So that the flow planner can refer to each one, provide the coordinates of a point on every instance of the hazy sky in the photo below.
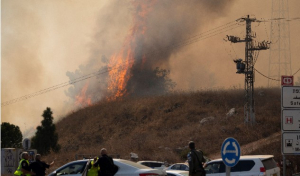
(46, 42)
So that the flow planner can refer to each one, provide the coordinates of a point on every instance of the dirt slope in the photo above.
(159, 128)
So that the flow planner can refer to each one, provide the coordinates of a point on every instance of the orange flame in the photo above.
(82, 99)
(122, 62)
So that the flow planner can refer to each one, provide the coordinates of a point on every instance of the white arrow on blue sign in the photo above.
(230, 152)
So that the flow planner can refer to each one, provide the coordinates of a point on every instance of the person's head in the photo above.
(37, 157)
(192, 145)
(25, 155)
(103, 151)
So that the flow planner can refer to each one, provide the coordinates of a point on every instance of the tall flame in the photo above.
(82, 99)
(121, 63)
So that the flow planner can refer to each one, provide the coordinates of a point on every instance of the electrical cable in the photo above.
(191, 40)
(43, 91)
(272, 78)
(265, 75)
(296, 72)
(275, 19)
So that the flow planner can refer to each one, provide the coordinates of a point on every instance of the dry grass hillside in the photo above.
(159, 128)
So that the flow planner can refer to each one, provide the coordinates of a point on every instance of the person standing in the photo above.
(24, 168)
(106, 164)
(93, 171)
(39, 167)
(195, 160)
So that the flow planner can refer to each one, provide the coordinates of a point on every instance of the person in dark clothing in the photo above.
(39, 167)
(24, 168)
(106, 164)
(195, 160)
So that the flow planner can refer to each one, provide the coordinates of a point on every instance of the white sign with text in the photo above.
(290, 97)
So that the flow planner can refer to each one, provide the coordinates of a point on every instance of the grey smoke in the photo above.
(168, 23)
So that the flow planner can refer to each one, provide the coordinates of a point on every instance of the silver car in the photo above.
(125, 168)
(179, 166)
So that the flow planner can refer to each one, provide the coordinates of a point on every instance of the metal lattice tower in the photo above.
(247, 66)
(249, 74)
(280, 54)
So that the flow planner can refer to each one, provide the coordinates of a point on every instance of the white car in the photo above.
(125, 168)
(248, 165)
(177, 173)
(179, 166)
(153, 164)
(74, 168)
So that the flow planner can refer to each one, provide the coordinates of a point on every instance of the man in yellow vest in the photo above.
(93, 171)
(23, 168)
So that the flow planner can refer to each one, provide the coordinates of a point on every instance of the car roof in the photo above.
(176, 171)
(244, 157)
(76, 161)
(179, 172)
(178, 164)
(150, 161)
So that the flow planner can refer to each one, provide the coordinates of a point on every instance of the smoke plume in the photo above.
(156, 30)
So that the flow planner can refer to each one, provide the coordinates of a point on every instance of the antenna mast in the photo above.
(280, 53)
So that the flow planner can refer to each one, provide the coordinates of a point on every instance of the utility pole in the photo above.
(247, 67)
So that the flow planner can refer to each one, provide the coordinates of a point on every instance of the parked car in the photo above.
(153, 164)
(259, 165)
(74, 168)
(125, 168)
(178, 166)
(177, 173)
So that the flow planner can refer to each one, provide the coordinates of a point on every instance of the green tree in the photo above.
(11, 136)
(45, 137)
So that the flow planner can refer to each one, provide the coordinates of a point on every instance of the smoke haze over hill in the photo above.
(156, 30)
(45, 43)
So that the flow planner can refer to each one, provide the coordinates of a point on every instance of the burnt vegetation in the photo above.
(159, 128)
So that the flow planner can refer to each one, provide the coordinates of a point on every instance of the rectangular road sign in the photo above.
(290, 97)
(287, 80)
(290, 143)
(290, 120)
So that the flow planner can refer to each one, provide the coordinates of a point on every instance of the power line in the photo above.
(276, 19)
(266, 76)
(210, 33)
(196, 38)
(296, 72)
(272, 78)
(59, 86)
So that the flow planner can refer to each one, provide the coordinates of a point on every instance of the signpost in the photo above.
(26, 143)
(287, 80)
(231, 153)
(290, 97)
(290, 118)
(291, 143)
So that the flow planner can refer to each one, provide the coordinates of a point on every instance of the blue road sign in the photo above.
(230, 152)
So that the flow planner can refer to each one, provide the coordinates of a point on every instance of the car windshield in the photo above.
(72, 168)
